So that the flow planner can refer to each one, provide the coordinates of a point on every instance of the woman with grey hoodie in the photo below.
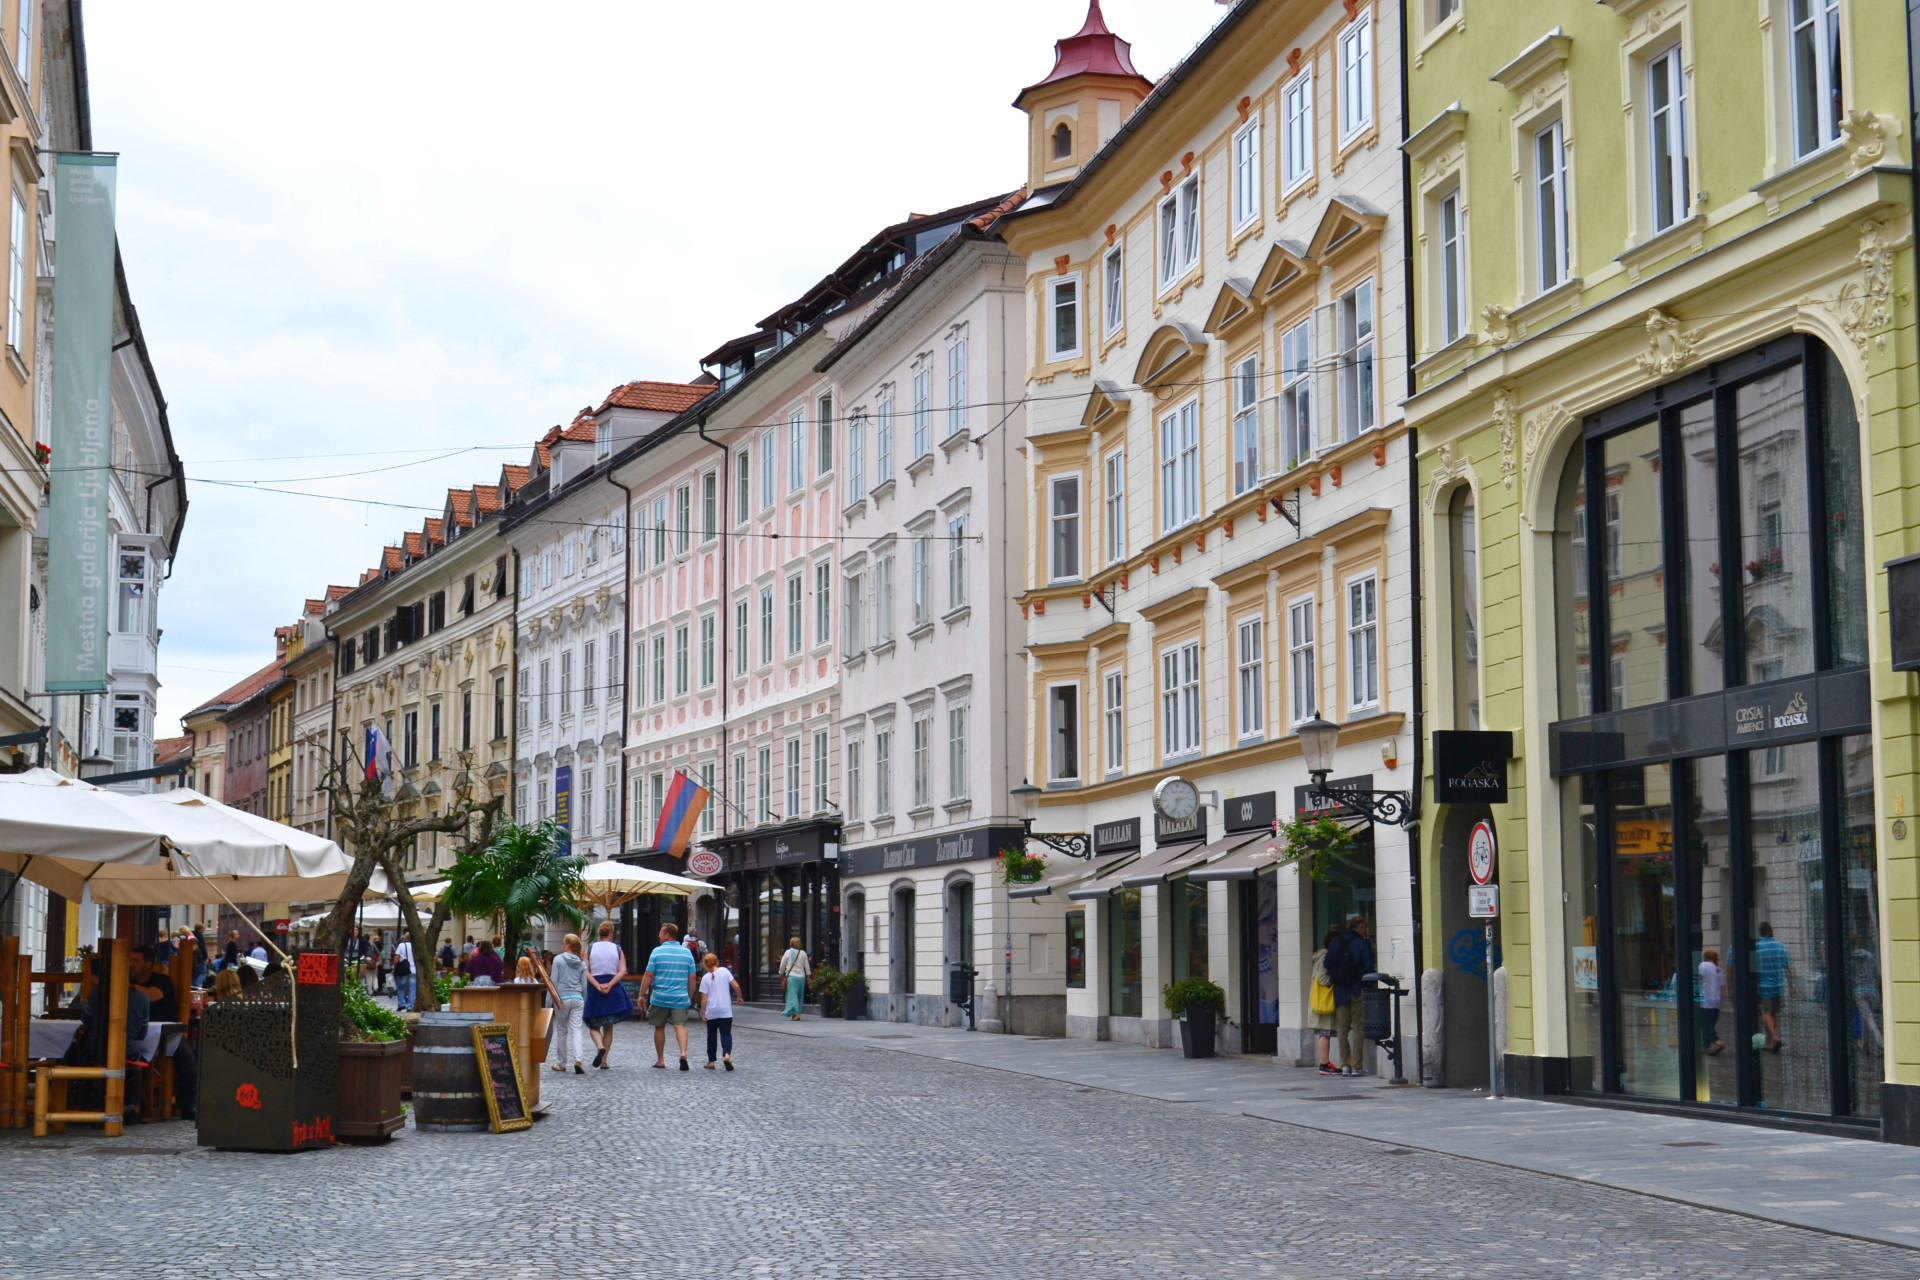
(568, 1032)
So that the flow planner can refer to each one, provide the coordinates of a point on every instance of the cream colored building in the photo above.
(1218, 478)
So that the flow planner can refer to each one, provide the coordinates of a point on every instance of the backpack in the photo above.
(1342, 966)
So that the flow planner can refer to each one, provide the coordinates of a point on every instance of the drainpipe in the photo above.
(724, 614)
(1416, 851)
(626, 645)
(333, 722)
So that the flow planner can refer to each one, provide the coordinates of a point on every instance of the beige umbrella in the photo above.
(609, 884)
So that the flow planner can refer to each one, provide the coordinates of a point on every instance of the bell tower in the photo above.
(1090, 92)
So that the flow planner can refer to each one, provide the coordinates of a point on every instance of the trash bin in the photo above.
(1376, 1013)
(960, 985)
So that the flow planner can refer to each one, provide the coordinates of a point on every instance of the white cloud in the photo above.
(364, 227)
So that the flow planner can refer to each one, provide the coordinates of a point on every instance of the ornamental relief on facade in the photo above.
(1447, 469)
(1670, 348)
(1867, 134)
(1506, 417)
(1864, 306)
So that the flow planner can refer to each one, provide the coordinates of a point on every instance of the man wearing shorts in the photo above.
(666, 988)
(1773, 966)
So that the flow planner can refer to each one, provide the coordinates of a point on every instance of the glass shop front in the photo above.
(779, 884)
(1714, 758)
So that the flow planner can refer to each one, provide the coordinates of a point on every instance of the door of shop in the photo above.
(1258, 902)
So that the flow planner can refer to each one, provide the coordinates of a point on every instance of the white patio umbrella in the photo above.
(608, 884)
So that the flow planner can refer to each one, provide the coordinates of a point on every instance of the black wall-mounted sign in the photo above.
(1903, 611)
(930, 851)
(1470, 766)
(1117, 836)
(1304, 806)
(1249, 813)
(1180, 830)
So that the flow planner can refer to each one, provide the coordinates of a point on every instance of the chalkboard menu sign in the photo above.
(500, 1080)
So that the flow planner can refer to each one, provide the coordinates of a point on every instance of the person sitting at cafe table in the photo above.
(164, 1006)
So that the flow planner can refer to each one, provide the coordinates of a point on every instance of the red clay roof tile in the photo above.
(661, 397)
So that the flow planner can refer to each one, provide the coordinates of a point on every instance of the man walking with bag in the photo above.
(1349, 959)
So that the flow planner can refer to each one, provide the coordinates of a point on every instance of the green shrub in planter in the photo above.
(1190, 993)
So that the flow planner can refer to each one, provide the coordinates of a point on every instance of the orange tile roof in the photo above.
(998, 211)
(245, 689)
(661, 397)
(334, 593)
(488, 498)
(581, 429)
(167, 750)
(416, 545)
(391, 559)
(516, 476)
(461, 500)
(436, 532)
(313, 608)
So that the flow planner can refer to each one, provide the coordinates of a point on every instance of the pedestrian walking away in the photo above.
(666, 989)
(795, 969)
(718, 991)
(1712, 986)
(567, 984)
(1348, 960)
(405, 982)
(1322, 1006)
(1773, 966)
(608, 1003)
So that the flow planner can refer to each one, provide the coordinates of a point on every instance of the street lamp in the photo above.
(1026, 805)
(1318, 738)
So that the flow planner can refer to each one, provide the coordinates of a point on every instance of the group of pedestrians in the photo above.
(590, 999)
(1340, 969)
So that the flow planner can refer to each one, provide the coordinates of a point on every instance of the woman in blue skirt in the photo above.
(607, 1000)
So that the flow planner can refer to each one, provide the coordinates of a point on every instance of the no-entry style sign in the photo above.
(1480, 852)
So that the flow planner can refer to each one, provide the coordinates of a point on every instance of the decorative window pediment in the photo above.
(1286, 266)
(1538, 60)
(1167, 353)
(1103, 402)
(1348, 220)
(1233, 307)
(1437, 134)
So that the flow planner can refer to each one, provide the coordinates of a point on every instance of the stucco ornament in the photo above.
(1499, 327)
(1669, 347)
(500, 638)
(1866, 305)
(600, 598)
(1868, 134)
(577, 610)
(466, 656)
(1507, 418)
(1446, 470)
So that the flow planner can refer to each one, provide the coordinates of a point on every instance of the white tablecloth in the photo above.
(50, 1037)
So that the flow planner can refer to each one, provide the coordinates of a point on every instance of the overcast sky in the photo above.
(363, 228)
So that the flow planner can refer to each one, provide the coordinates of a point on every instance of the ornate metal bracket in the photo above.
(1388, 808)
(1108, 596)
(1073, 844)
(1289, 509)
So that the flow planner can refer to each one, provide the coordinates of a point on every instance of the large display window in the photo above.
(1714, 752)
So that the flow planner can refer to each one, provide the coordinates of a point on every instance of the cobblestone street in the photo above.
(826, 1157)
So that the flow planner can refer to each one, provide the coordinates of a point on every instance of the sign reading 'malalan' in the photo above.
(970, 845)
(79, 543)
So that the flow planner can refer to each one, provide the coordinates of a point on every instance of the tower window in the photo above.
(1062, 142)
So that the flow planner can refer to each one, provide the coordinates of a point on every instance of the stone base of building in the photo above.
(925, 1011)
(1081, 1027)
(1900, 1114)
(1154, 1033)
(1526, 1076)
(1028, 1016)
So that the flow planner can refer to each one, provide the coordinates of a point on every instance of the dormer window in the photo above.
(1062, 141)
(602, 439)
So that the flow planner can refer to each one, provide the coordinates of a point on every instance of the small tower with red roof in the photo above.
(1081, 103)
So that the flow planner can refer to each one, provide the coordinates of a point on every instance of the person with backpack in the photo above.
(1348, 960)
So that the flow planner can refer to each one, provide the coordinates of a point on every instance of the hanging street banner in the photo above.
(79, 543)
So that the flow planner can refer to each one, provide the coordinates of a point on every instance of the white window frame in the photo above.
(1113, 714)
(766, 626)
(823, 429)
(709, 506)
(1244, 382)
(822, 602)
(957, 788)
(1177, 232)
(957, 595)
(922, 412)
(1452, 287)
(1356, 77)
(1552, 254)
(682, 659)
(742, 635)
(1064, 527)
(793, 779)
(1363, 642)
(1667, 133)
(17, 266)
(1357, 321)
(883, 440)
(1180, 466)
(819, 771)
(1303, 667)
(1296, 131)
(796, 613)
(1818, 31)
(1114, 285)
(957, 386)
(853, 637)
(1115, 520)
(1180, 701)
(883, 772)
(883, 599)
(856, 455)
(1250, 654)
(855, 779)
(709, 649)
(743, 485)
(922, 578)
(1246, 175)
(769, 468)
(1297, 431)
(1055, 727)
(922, 745)
(1052, 317)
(683, 519)
(659, 667)
(797, 450)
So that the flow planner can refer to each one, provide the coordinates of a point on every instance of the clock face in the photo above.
(1176, 799)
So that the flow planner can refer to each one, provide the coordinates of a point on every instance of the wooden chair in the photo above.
(111, 1117)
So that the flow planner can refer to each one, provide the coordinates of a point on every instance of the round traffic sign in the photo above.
(1480, 852)
(705, 863)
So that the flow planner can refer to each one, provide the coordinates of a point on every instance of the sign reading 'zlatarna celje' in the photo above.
(79, 545)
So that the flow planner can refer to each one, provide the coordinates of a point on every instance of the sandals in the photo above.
(709, 1066)
(729, 1062)
(577, 1070)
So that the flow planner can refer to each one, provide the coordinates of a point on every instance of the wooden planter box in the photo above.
(368, 1108)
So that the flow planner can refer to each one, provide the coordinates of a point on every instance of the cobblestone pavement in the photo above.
(823, 1158)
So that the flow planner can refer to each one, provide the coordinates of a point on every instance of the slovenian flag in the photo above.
(379, 758)
(685, 801)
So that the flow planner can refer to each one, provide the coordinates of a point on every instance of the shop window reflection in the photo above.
(1644, 954)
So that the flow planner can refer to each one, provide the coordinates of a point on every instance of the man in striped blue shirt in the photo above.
(666, 988)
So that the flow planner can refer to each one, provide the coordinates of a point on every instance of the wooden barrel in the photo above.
(446, 1075)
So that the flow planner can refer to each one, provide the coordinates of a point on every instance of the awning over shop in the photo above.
(1163, 864)
(1068, 872)
(1244, 863)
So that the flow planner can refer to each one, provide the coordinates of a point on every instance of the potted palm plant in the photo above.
(525, 872)
(1199, 1004)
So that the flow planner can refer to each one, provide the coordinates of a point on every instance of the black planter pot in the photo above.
(853, 1004)
(1196, 1032)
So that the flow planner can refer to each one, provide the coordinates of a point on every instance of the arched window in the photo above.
(1062, 141)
